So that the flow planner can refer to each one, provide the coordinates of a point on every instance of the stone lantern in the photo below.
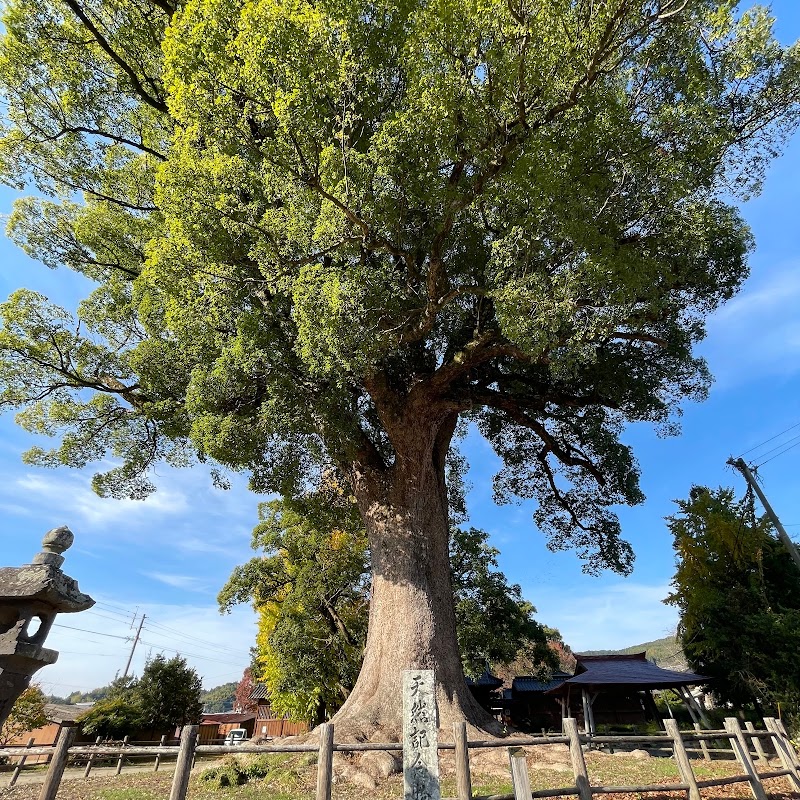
(30, 598)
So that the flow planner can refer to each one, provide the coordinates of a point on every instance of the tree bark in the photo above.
(412, 616)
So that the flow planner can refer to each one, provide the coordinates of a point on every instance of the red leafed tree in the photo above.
(241, 700)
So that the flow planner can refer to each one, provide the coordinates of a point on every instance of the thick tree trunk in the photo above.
(412, 617)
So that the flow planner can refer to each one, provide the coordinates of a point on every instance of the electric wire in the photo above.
(771, 438)
(779, 446)
(104, 616)
(115, 608)
(185, 636)
(191, 641)
(167, 629)
(95, 633)
(184, 652)
(791, 447)
(86, 653)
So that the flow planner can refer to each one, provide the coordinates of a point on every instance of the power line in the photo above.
(186, 636)
(185, 653)
(791, 447)
(96, 633)
(104, 616)
(85, 653)
(114, 608)
(217, 651)
(771, 438)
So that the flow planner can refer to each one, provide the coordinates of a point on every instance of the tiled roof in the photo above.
(57, 712)
(526, 683)
(259, 692)
(625, 670)
(486, 679)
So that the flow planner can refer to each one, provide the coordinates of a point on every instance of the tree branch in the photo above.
(154, 102)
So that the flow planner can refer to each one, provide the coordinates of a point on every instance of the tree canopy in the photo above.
(165, 696)
(296, 213)
(739, 600)
(219, 699)
(327, 233)
(27, 714)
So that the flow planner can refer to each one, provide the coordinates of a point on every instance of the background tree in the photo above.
(27, 714)
(494, 623)
(219, 699)
(242, 702)
(168, 693)
(311, 589)
(112, 717)
(323, 233)
(166, 696)
(739, 601)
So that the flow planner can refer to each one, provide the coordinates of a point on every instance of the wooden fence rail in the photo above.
(741, 741)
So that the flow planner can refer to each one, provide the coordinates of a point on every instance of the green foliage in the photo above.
(27, 714)
(165, 696)
(493, 621)
(219, 699)
(311, 588)
(112, 718)
(738, 594)
(169, 693)
(229, 773)
(238, 770)
(92, 696)
(308, 221)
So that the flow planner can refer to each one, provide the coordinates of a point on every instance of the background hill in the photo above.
(666, 652)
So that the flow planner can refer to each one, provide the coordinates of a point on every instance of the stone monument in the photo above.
(30, 598)
(420, 736)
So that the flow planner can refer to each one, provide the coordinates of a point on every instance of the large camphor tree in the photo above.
(326, 234)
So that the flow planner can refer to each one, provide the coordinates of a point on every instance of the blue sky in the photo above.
(167, 557)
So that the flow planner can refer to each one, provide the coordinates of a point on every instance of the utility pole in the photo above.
(784, 537)
(135, 642)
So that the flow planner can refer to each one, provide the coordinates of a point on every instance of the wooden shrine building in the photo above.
(617, 690)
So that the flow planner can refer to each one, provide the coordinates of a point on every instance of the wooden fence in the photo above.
(746, 745)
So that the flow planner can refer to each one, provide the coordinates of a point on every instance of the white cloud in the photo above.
(616, 616)
(74, 493)
(186, 582)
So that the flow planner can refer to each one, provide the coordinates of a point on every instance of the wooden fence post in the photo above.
(703, 743)
(20, 763)
(759, 748)
(92, 756)
(782, 728)
(463, 778)
(743, 756)
(783, 747)
(325, 761)
(122, 755)
(520, 781)
(158, 755)
(682, 758)
(56, 770)
(183, 767)
(576, 756)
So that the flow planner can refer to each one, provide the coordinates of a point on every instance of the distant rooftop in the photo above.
(626, 670)
(259, 692)
(528, 683)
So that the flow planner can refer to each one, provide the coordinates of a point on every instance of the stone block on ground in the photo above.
(380, 764)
